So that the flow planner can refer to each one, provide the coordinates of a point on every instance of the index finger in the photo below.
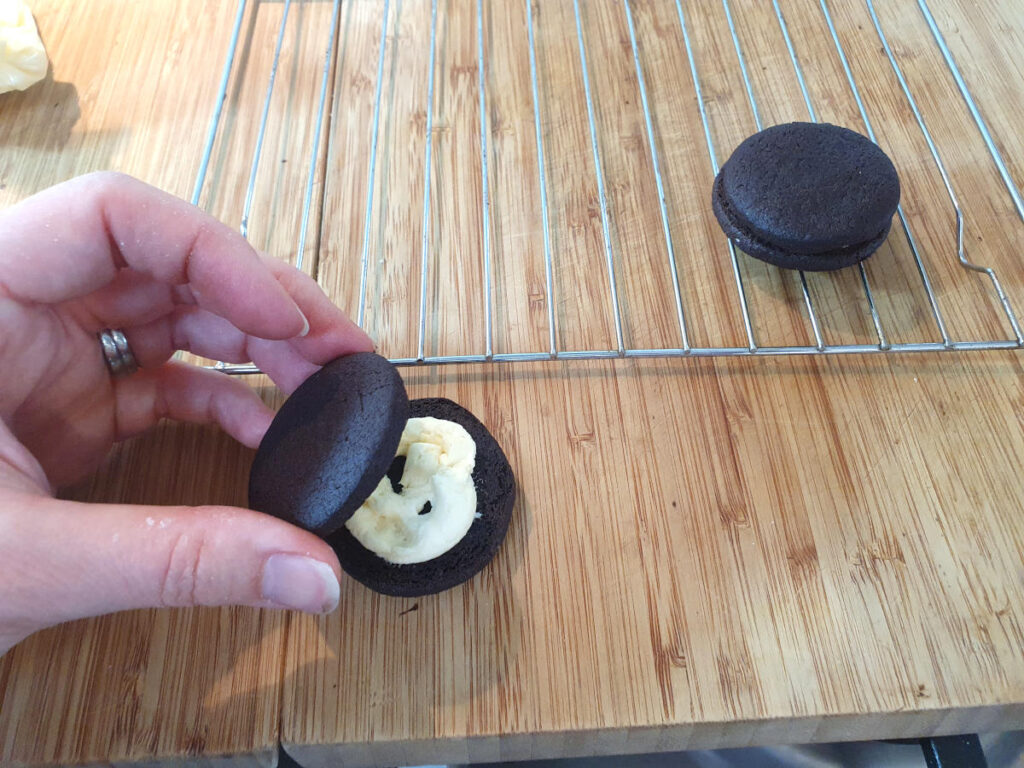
(72, 239)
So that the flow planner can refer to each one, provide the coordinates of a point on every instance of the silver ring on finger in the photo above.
(117, 353)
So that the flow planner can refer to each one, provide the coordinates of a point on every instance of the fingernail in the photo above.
(305, 322)
(300, 583)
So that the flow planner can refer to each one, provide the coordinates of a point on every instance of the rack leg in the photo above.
(954, 752)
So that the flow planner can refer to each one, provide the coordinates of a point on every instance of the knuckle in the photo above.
(180, 582)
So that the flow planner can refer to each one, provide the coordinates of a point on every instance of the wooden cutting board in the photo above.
(705, 552)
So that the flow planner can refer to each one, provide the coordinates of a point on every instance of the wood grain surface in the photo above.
(705, 552)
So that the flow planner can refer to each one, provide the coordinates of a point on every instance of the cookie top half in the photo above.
(331, 443)
(808, 188)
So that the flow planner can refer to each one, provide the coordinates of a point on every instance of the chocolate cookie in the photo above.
(808, 196)
(331, 443)
(495, 494)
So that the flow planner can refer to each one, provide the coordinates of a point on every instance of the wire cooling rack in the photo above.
(942, 339)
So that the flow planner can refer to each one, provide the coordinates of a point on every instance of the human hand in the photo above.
(107, 251)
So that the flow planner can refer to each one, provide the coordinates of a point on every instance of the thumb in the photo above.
(66, 560)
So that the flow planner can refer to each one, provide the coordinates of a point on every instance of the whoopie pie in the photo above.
(810, 196)
(414, 497)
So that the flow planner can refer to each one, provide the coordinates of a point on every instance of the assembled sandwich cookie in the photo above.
(808, 196)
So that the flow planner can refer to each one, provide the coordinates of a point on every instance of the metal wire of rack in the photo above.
(621, 349)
